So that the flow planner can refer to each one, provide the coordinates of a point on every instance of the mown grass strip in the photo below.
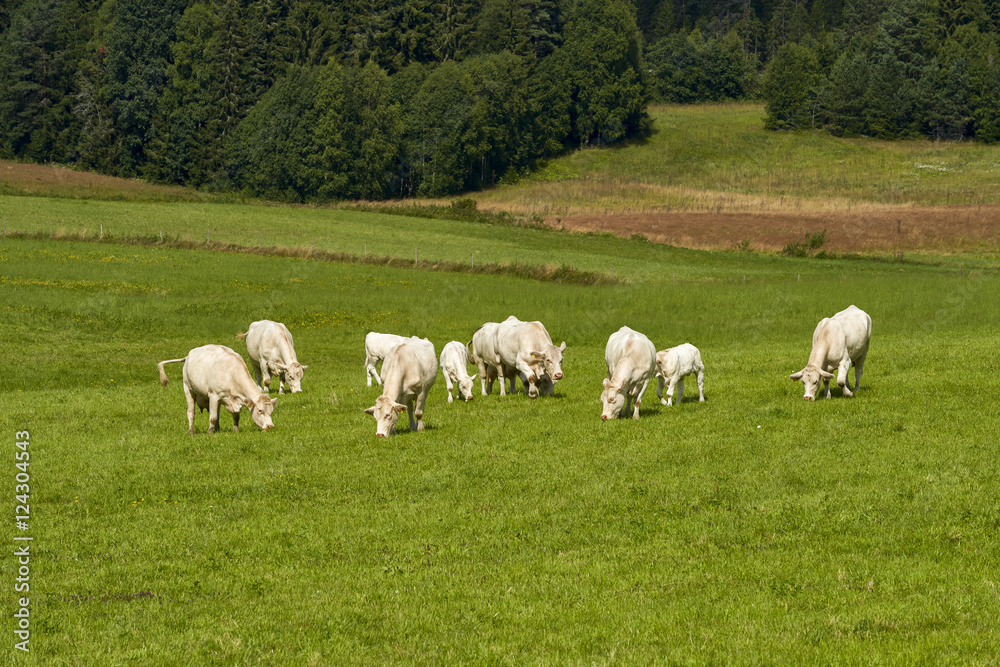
(552, 273)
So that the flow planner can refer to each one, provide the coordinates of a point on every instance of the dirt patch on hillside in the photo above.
(945, 229)
(52, 180)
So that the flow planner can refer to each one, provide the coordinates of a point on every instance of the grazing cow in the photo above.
(526, 349)
(408, 374)
(483, 350)
(377, 348)
(272, 352)
(215, 375)
(672, 366)
(631, 361)
(838, 342)
(454, 366)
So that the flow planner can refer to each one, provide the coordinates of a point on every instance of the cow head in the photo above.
(548, 362)
(465, 387)
(292, 374)
(260, 411)
(386, 412)
(811, 376)
(612, 400)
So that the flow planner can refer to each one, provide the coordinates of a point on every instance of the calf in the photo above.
(631, 361)
(408, 374)
(454, 366)
(838, 342)
(272, 352)
(672, 366)
(525, 348)
(215, 375)
(377, 348)
(483, 350)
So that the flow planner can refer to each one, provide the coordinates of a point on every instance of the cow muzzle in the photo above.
(558, 376)
(380, 435)
(808, 398)
(604, 417)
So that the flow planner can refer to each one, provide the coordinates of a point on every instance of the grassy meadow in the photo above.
(720, 158)
(754, 528)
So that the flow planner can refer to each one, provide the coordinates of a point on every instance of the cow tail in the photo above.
(242, 336)
(163, 375)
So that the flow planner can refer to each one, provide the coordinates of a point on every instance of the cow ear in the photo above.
(795, 377)
(537, 356)
(370, 411)
(563, 346)
(474, 376)
(399, 407)
(606, 383)
(826, 376)
(274, 403)
(248, 403)
(303, 367)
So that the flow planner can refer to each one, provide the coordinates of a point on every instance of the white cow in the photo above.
(483, 350)
(526, 349)
(454, 366)
(838, 342)
(215, 375)
(631, 361)
(672, 366)
(408, 374)
(377, 348)
(272, 352)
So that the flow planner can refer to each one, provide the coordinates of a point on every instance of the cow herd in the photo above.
(215, 376)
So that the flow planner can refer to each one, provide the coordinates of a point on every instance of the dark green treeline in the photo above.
(303, 100)
(314, 99)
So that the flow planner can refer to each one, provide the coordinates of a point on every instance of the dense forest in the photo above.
(313, 99)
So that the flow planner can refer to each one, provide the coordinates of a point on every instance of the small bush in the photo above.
(808, 248)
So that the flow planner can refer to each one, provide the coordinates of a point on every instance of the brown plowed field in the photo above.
(881, 230)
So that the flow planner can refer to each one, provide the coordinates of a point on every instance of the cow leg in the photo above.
(671, 385)
(842, 377)
(190, 409)
(659, 389)
(370, 362)
(826, 385)
(281, 383)
(265, 386)
(449, 384)
(680, 390)
(701, 385)
(257, 374)
(481, 367)
(501, 378)
(421, 401)
(638, 399)
(522, 368)
(213, 413)
(858, 369)
(532, 389)
(236, 420)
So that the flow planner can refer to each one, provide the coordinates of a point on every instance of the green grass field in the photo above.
(719, 157)
(754, 528)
